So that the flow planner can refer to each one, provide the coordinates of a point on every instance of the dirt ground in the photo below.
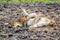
(12, 11)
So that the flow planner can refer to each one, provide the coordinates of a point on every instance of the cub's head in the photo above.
(24, 19)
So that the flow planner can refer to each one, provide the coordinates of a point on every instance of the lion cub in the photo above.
(19, 22)
(43, 21)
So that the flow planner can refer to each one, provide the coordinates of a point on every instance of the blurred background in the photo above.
(30, 1)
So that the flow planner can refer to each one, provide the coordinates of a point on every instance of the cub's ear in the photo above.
(26, 16)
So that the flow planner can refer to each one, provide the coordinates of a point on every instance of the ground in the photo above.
(12, 11)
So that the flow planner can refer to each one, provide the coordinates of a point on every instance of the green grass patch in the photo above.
(2, 36)
(30, 1)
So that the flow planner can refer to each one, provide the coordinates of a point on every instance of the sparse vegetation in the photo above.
(2, 36)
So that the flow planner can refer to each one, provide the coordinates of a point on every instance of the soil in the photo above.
(12, 11)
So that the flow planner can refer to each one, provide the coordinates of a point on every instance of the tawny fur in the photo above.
(46, 21)
(19, 22)
(40, 22)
